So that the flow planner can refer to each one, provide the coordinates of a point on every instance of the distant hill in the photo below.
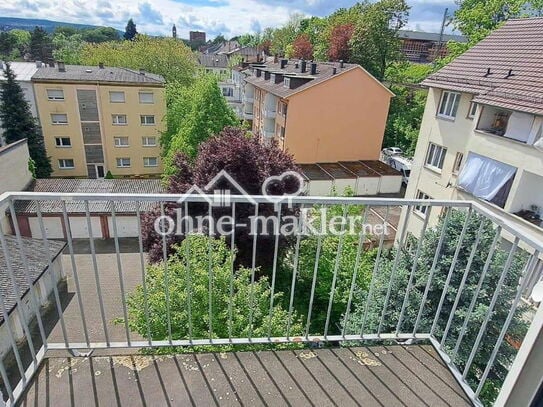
(10, 23)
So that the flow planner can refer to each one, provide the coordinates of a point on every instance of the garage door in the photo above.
(127, 226)
(78, 224)
(52, 225)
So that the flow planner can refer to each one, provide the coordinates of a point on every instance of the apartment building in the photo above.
(97, 119)
(319, 112)
(481, 134)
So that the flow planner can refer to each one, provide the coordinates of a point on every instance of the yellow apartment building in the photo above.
(319, 112)
(97, 119)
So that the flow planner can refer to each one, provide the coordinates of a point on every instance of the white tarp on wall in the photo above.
(484, 177)
(519, 126)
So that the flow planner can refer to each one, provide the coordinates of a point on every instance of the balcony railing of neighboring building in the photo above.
(270, 113)
(456, 287)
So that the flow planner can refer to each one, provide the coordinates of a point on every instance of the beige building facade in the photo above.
(97, 120)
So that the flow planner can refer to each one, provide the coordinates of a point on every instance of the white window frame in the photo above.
(435, 157)
(145, 141)
(286, 82)
(421, 210)
(458, 161)
(55, 98)
(230, 91)
(57, 122)
(120, 162)
(144, 122)
(62, 164)
(143, 102)
(146, 161)
(117, 140)
(472, 110)
(59, 142)
(449, 104)
(115, 119)
(117, 92)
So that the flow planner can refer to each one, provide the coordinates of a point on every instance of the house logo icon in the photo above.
(221, 197)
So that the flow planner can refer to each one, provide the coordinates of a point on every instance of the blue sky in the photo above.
(227, 17)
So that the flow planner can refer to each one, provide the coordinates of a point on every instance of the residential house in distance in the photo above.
(424, 47)
(218, 64)
(319, 112)
(481, 134)
(97, 119)
(23, 73)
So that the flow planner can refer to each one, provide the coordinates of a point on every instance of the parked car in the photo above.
(392, 151)
(403, 165)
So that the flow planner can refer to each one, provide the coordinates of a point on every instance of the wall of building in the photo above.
(74, 129)
(14, 174)
(342, 118)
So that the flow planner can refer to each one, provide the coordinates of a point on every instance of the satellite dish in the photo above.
(537, 292)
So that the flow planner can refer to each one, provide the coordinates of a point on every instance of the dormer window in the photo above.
(286, 83)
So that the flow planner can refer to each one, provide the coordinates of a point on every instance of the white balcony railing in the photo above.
(338, 285)
(270, 113)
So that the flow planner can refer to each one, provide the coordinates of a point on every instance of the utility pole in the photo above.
(440, 42)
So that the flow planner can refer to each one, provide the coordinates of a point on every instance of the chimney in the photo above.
(61, 66)
(284, 63)
(101, 65)
(302, 65)
(341, 63)
(275, 59)
(51, 64)
(142, 71)
(334, 70)
(38, 64)
(313, 68)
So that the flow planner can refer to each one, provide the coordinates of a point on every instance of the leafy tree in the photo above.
(40, 45)
(339, 42)
(7, 44)
(187, 275)
(163, 56)
(22, 40)
(100, 34)
(302, 48)
(68, 48)
(130, 31)
(398, 288)
(207, 114)
(375, 43)
(250, 163)
(18, 123)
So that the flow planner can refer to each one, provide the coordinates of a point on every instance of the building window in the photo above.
(59, 118)
(63, 142)
(123, 162)
(66, 164)
(147, 97)
(149, 141)
(286, 83)
(227, 92)
(449, 104)
(116, 97)
(55, 94)
(282, 108)
(147, 120)
(457, 162)
(119, 119)
(150, 161)
(472, 110)
(121, 141)
(422, 209)
(435, 156)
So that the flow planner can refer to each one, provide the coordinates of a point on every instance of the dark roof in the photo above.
(359, 169)
(516, 48)
(213, 61)
(314, 173)
(426, 36)
(336, 170)
(324, 72)
(81, 73)
(103, 186)
(380, 168)
(37, 258)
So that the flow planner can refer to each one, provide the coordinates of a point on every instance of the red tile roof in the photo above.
(504, 69)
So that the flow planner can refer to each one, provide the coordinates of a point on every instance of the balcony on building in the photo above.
(517, 126)
(381, 325)
(528, 200)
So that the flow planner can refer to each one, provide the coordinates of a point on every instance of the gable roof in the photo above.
(38, 261)
(427, 36)
(502, 70)
(213, 60)
(103, 186)
(82, 73)
(325, 71)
